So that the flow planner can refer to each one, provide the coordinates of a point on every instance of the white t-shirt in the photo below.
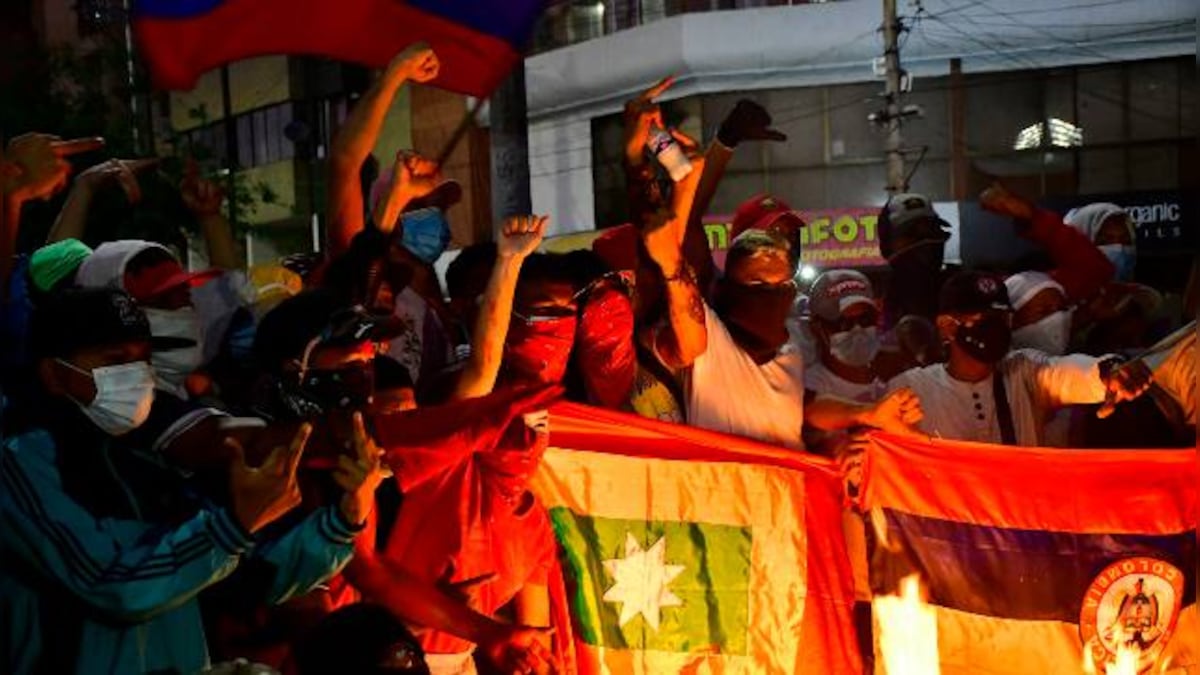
(1175, 371)
(413, 347)
(821, 380)
(727, 391)
(1037, 384)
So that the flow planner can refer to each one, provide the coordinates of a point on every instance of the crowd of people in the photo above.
(197, 466)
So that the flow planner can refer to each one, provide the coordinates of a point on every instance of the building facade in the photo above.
(1057, 99)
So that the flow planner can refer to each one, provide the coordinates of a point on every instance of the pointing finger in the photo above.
(658, 88)
(76, 146)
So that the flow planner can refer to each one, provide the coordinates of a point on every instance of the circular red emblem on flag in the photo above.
(1131, 606)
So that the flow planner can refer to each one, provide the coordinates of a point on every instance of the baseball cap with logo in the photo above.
(836, 291)
(973, 292)
(761, 212)
(911, 216)
(80, 318)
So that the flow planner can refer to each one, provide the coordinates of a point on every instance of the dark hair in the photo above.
(461, 274)
(585, 266)
(355, 639)
(391, 374)
(546, 268)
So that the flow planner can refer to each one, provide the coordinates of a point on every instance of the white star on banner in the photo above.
(641, 579)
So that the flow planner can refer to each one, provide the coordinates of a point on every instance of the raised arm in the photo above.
(1080, 267)
(413, 176)
(748, 121)
(357, 137)
(203, 198)
(72, 219)
(34, 167)
(685, 337)
(520, 237)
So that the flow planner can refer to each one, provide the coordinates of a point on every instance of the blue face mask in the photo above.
(1123, 258)
(426, 233)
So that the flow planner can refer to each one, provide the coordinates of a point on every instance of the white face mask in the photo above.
(124, 394)
(172, 366)
(855, 347)
(1050, 335)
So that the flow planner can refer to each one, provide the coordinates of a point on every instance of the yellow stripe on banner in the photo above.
(973, 644)
(768, 499)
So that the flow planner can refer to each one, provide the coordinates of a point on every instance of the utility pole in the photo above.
(895, 142)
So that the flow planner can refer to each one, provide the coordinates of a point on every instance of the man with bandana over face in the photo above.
(739, 373)
(470, 526)
(986, 393)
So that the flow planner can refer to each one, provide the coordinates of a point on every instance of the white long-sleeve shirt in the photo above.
(1037, 384)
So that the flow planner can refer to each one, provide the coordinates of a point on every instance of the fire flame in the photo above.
(907, 631)
(1125, 662)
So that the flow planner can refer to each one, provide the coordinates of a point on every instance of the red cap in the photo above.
(760, 212)
(168, 275)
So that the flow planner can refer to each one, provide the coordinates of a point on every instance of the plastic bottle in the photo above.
(666, 150)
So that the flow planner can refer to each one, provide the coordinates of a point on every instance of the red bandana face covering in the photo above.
(538, 348)
(511, 465)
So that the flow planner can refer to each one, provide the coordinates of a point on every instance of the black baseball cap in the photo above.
(971, 292)
(287, 331)
(909, 215)
(67, 321)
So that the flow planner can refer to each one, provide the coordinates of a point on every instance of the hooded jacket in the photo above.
(100, 572)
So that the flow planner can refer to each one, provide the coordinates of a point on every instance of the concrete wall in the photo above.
(253, 83)
(560, 174)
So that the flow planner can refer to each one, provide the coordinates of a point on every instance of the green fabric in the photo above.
(50, 264)
(713, 587)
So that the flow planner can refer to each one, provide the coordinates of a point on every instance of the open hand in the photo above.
(359, 477)
(521, 235)
(897, 413)
(261, 495)
(641, 114)
(417, 63)
(36, 166)
(203, 197)
(748, 121)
